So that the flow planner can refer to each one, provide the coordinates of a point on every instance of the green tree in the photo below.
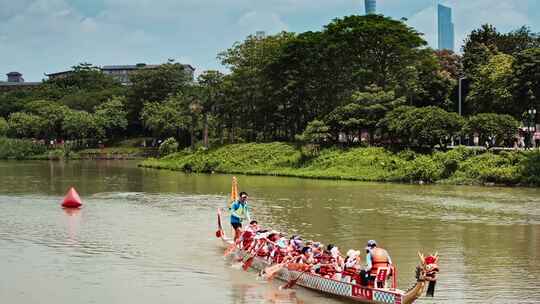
(526, 80)
(88, 100)
(434, 81)
(154, 85)
(248, 60)
(420, 127)
(316, 132)
(490, 90)
(81, 125)
(52, 116)
(435, 126)
(317, 72)
(111, 117)
(300, 85)
(493, 129)
(479, 46)
(169, 118)
(211, 95)
(25, 125)
(365, 111)
(11, 102)
(370, 49)
(4, 127)
(398, 124)
(347, 120)
(518, 41)
(486, 41)
(229, 111)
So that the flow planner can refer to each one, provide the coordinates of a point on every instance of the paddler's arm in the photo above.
(369, 265)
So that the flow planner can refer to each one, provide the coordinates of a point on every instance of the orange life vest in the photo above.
(379, 258)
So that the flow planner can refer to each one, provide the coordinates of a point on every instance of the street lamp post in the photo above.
(459, 100)
(460, 95)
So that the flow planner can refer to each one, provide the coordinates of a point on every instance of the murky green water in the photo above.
(147, 236)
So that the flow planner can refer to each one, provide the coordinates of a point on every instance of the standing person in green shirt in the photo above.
(239, 212)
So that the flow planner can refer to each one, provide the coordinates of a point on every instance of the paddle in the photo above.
(291, 283)
(271, 271)
(219, 232)
(248, 263)
(229, 249)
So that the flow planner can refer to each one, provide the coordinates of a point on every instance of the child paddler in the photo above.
(239, 212)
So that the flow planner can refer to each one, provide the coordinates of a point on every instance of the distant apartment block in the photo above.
(59, 75)
(15, 81)
(371, 6)
(445, 28)
(122, 73)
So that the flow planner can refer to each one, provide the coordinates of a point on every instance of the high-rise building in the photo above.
(445, 28)
(371, 6)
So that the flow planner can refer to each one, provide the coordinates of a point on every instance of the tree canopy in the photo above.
(357, 78)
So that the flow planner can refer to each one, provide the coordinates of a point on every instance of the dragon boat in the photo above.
(379, 293)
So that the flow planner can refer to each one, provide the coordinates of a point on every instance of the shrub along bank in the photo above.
(25, 149)
(20, 148)
(457, 166)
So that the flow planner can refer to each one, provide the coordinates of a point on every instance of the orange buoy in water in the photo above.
(72, 199)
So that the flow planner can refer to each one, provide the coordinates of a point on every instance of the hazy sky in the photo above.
(44, 36)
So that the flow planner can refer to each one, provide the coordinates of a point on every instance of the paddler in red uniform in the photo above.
(246, 239)
(376, 257)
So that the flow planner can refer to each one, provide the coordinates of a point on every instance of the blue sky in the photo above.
(44, 36)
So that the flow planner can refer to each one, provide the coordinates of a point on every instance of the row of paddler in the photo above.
(309, 256)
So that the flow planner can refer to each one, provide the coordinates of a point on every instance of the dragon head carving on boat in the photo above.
(427, 271)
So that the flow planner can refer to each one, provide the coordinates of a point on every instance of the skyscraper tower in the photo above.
(371, 6)
(445, 28)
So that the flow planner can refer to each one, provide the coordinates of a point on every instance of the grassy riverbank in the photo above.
(458, 166)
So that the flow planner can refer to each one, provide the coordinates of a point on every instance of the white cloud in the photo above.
(89, 25)
(253, 21)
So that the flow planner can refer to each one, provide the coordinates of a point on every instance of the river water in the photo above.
(148, 236)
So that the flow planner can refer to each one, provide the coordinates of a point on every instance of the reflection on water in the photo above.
(147, 236)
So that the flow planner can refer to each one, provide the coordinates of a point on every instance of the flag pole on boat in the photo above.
(233, 197)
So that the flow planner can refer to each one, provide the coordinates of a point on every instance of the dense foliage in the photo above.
(360, 80)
